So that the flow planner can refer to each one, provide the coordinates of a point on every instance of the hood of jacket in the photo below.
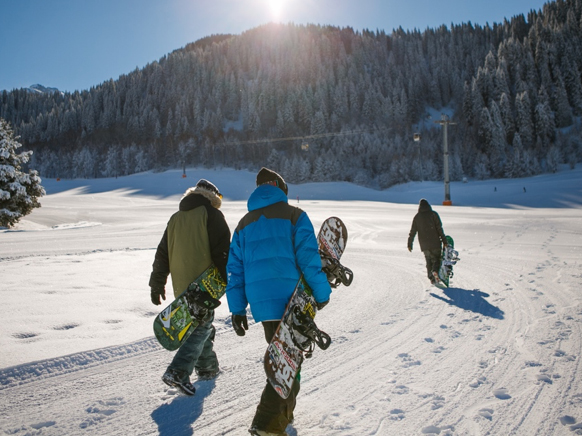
(424, 206)
(193, 200)
(265, 195)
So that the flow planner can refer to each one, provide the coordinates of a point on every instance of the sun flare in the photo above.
(276, 8)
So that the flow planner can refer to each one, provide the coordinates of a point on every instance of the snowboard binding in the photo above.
(337, 274)
(200, 303)
(306, 334)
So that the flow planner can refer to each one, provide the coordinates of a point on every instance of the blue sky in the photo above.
(75, 44)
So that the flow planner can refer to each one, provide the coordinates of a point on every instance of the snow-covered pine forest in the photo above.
(355, 97)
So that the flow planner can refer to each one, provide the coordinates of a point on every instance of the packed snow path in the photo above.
(498, 353)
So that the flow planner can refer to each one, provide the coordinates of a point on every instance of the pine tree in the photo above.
(19, 192)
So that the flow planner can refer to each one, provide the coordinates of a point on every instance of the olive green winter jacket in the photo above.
(195, 237)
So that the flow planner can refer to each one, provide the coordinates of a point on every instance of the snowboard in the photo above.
(449, 258)
(176, 322)
(297, 334)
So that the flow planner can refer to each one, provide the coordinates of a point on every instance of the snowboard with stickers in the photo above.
(180, 318)
(297, 334)
(449, 258)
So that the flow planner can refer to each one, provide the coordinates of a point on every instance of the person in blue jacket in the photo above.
(272, 245)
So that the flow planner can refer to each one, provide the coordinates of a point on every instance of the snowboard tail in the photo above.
(297, 334)
(180, 318)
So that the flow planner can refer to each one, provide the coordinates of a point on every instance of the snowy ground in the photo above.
(498, 353)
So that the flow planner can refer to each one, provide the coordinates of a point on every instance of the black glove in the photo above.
(321, 305)
(156, 294)
(240, 324)
(410, 248)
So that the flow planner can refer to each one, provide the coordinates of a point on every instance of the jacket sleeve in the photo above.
(219, 238)
(412, 233)
(161, 265)
(235, 289)
(308, 259)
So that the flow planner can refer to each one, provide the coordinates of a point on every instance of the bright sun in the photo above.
(276, 8)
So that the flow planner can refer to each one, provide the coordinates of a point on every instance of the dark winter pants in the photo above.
(433, 261)
(197, 352)
(273, 412)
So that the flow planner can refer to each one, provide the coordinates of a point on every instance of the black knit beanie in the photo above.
(267, 176)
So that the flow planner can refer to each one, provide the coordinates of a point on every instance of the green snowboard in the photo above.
(448, 259)
(177, 321)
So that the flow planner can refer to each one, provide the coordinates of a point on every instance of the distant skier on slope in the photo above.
(427, 223)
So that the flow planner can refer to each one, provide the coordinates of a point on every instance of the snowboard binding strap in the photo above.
(304, 325)
(200, 303)
(337, 274)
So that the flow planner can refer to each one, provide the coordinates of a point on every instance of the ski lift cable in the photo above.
(303, 138)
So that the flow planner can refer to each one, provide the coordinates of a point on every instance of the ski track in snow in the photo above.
(497, 353)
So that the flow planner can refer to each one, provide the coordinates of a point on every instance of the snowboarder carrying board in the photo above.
(273, 244)
(427, 223)
(196, 236)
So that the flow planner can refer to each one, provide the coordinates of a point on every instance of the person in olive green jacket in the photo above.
(196, 236)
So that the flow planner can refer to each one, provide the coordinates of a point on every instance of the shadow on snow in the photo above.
(473, 301)
(177, 417)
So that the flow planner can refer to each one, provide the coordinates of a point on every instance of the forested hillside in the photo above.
(355, 98)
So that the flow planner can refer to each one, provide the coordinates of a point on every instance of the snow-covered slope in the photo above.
(498, 353)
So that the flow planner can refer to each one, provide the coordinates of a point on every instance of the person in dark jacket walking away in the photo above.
(427, 223)
(272, 245)
(196, 236)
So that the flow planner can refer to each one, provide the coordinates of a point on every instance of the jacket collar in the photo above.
(192, 201)
(265, 195)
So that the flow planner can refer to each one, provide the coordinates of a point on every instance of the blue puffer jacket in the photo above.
(272, 244)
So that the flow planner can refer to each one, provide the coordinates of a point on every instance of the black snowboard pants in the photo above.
(433, 261)
(273, 412)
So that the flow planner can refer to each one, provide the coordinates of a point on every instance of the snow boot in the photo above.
(172, 379)
(204, 375)
(255, 432)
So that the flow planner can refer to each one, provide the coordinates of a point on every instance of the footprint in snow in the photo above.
(567, 420)
(388, 322)
(408, 361)
(544, 378)
(501, 394)
(101, 410)
(401, 390)
(478, 382)
(397, 414)
(66, 326)
(443, 431)
(24, 335)
(486, 413)
(438, 402)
